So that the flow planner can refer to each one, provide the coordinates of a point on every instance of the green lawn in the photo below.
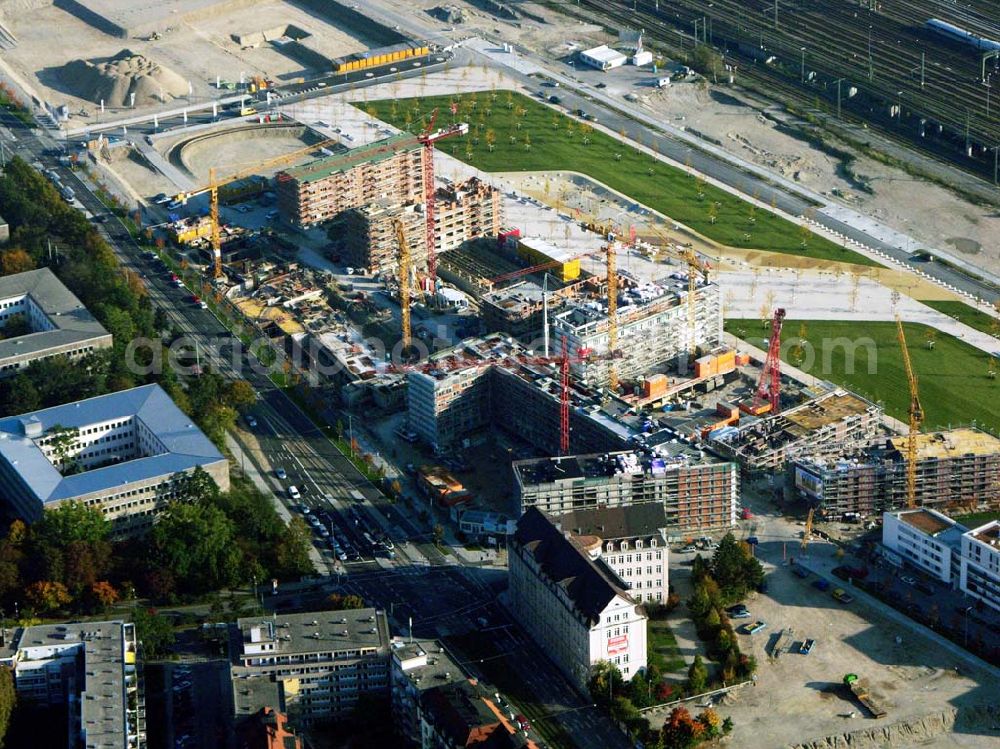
(977, 519)
(954, 387)
(662, 646)
(550, 141)
(968, 315)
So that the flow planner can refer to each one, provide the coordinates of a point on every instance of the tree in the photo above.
(104, 595)
(198, 486)
(697, 675)
(8, 698)
(679, 730)
(711, 722)
(196, 543)
(15, 260)
(735, 569)
(73, 521)
(155, 632)
(19, 395)
(605, 682)
(46, 596)
(291, 552)
(240, 394)
(341, 602)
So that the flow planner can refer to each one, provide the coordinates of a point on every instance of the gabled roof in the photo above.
(186, 445)
(589, 584)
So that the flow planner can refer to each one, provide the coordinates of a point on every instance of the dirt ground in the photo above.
(48, 37)
(913, 675)
(931, 214)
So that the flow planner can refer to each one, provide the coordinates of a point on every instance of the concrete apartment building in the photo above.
(369, 235)
(631, 540)
(653, 327)
(390, 169)
(418, 666)
(93, 668)
(696, 490)
(955, 468)
(309, 665)
(821, 426)
(465, 211)
(59, 323)
(574, 606)
(123, 453)
(967, 559)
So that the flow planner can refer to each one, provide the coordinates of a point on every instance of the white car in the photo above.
(293, 492)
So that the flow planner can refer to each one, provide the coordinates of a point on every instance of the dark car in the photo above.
(554, 99)
(800, 571)
(821, 584)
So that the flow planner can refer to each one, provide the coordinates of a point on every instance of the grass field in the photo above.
(662, 646)
(966, 314)
(512, 132)
(954, 387)
(977, 519)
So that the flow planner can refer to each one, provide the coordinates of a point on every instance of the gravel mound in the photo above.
(117, 78)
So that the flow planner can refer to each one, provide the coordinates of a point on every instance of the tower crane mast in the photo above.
(916, 413)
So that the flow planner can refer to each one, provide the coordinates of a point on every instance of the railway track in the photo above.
(907, 81)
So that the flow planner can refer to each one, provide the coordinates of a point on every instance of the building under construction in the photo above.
(464, 212)
(654, 326)
(390, 169)
(368, 235)
(698, 490)
(823, 426)
(957, 468)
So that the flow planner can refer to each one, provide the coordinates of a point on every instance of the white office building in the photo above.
(603, 58)
(925, 538)
(575, 607)
(979, 574)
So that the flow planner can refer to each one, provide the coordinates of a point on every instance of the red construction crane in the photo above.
(767, 397)
(429, 137)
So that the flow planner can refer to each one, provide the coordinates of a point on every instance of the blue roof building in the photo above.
(124, 452)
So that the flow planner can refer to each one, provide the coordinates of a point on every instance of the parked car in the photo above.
(752, 628)
(800, 571)
(522, 723)
(739, 614)
(251, 422)
(806, 647)
(280, 473)
(842, 595)
(293, 492)
(821, 584)
(908, 580)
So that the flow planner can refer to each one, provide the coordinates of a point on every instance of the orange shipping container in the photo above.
(726, 362)
(654, 385)
(742, 360)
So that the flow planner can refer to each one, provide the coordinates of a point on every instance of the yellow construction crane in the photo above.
(404, 281)
(212, 188)
(916, 418)
(807, 531)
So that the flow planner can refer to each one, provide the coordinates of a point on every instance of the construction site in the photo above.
(956, 471)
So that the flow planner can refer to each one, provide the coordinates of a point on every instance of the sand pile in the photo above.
(116, 79)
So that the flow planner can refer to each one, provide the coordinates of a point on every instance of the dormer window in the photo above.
(624, 545)
(638, 544)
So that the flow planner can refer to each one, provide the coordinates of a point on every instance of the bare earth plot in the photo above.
(800, 698)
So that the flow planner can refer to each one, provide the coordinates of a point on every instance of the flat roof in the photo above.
(427, 664)
(101, 681)
(319, 631)
(926, 521)
(826, 410)
(604, 53)
(374, 152)
(73, 322)
(186, 445)
(988, 534)
(663, 457)
(952, 443)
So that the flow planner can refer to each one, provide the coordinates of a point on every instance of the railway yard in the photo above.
(894, 72)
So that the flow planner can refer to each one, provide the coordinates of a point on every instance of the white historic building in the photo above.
(574, 606)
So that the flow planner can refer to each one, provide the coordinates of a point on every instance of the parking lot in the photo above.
(911, 673)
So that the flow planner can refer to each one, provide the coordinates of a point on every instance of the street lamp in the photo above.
(967, 610)
(803, 64)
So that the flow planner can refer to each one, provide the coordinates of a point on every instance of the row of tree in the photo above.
(624, 700)
(727, 578)
(68, 561)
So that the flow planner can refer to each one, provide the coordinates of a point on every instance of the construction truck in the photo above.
(860, 690)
